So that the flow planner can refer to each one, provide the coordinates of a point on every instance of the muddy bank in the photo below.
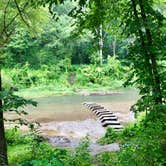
(74, 129)
(99, 93)
(72, 143)
(69, 135)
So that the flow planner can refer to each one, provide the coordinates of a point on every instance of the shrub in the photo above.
(45, 155)
(81, 156)
(26, 77)
(110, 137)
(14, 137)
(107, 159)
(142, 144)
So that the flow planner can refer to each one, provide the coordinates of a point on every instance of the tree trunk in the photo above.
(114, 46)
(3, 145)
(143, 45)
(101, 44)
(157, 83)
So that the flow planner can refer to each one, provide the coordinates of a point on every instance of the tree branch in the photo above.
(4, 18)
(20, 13)
(6, 26)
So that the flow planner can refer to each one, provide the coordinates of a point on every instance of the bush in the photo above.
(107, 159)
(34, 152)
(26, 77)
(142, 144)
(81, 156)
(43, 162)
(45, 155)
(110, 137)
(14, 137)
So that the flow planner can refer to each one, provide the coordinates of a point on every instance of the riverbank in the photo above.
(54, 90)
(59, 128)
(65, 121)
(136, 144)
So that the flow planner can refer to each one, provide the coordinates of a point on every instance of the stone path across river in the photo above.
(105, 116)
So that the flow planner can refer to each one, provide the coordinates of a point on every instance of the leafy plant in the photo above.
(109, 137)
(14, 137)
(81, 155)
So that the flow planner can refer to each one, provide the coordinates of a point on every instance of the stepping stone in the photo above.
(86, 103)
(100, 110)
(97, 113)
(92, 106)
(110, 122)
(108, 118)
(96, 107)
(115, 127)
(106, 114)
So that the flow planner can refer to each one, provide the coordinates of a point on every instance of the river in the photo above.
(65, 116)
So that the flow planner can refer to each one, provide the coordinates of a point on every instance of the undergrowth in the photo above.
(56, 79)
(142, 144)
(31, 150)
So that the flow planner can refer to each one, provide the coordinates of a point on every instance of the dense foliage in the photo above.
(60, 75)
(141, 144)
(145, 26)
(38, 50)
(55, 41)
(30, 149)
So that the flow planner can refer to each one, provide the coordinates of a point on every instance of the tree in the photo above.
(141, 20)
(13, 14)
(93, 16)
(55, 43)
(144, 23)
(145, 26)
(99, 16)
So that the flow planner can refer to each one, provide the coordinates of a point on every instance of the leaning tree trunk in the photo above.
(3, 145)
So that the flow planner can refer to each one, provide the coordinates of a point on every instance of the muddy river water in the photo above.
(64, 117)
